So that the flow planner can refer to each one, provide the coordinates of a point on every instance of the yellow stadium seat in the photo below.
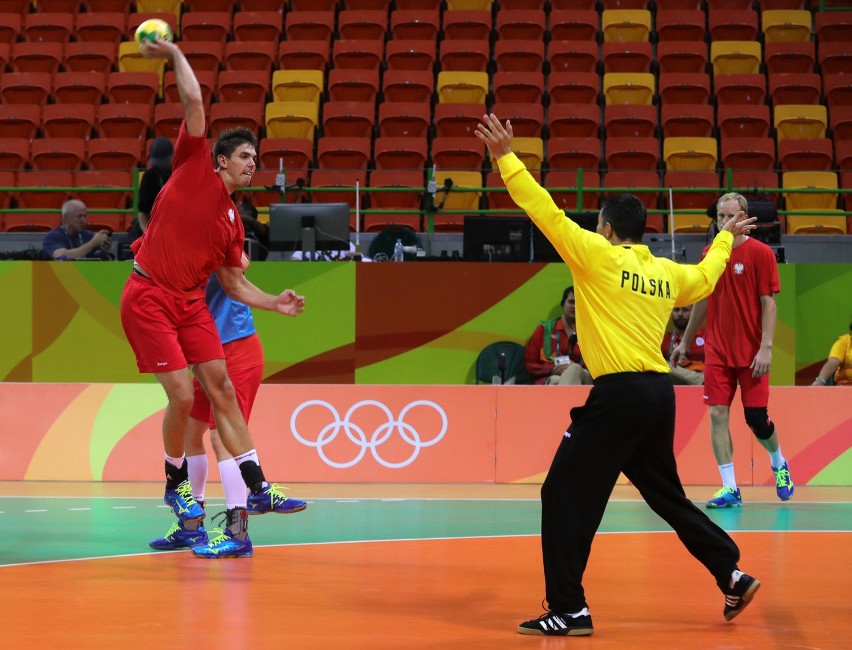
(800, 121)
(129, 60)
(530, 151)
(735, 57)
(457, 200)
(291, 119)
(469, 4)
(628, 88)
(786, 25)
(297, 85)
(462, 87)
(690, 222)
(815, 180)
(625, 25)
(159, 6)
(694, 154)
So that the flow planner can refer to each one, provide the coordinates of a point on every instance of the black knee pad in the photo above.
(758, 421)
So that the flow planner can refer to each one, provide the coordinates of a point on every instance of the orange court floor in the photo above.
(378, 566)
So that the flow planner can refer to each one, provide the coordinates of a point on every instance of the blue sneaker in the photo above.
(224, 544)
(272, 499)
(183, 503)
(179, 537)
(784, 487)
(726, 498)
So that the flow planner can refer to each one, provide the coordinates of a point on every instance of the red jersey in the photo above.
(194, 227)
(734, 315)
(694, 357)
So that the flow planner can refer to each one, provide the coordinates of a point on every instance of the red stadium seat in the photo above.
(207, 79)
(573, 56)
(834, 58)
(133, 87)
(343, 153)
(693, 179)
(57, 154)
(85, 56)
(167, 120)
(348, 119)
(204, 56)
(323, 178)
(354, 85)
(263, 26)
(458, 153)
(682, 56)
(684, 88)
(791, 56)
(408, 85)
(680, 25)
(686, 120)
(20, 120)
(303, 55)
(45, 27)
(740, 88)
(104, 200)
(805, 154)
(748, 153)
(103, 27)
(841, 123)
(519, 55)
(464, 55)
(225, 116)
(453, 119)
(406, 119)
(630, 120)
(520, 24)
(40, 200)
(10, 27)
(362, 24)
(361, 54)
(394, 200)
(240, 86)
(25, 87)
(732, 25)
(574, 25)
(114, 153)
(518, 87)
(833, 26)
(415, 24)
(36, 57)
(743, 120)
(14, 153)
(250, 55)
(632, 153)
(795, 88)
(837, 89)
(206, 26)
(289, 153)
(309, 25)
(124, 120)
(573, 120)
(527, 119)
(68, 120)
(627, 57)
(569, 179)
(78, 87)
(573, 87)
(628, 181)
(467, 24)
(410, 55)
(574, 153)
(405, 153)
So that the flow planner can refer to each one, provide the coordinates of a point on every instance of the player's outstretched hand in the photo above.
(740, 224)
(289, 303)
(497, 138)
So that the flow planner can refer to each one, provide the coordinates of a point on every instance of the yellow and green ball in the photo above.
(152, 30)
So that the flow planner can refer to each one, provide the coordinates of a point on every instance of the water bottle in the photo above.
(281, 178)
(397, 251)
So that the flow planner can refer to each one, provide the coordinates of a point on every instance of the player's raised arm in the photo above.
(187, 84)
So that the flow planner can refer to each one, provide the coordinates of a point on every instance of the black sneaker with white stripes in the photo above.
(739, 594)
(559, 624)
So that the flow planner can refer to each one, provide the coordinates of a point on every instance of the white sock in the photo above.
(177, 462)
(734, 577)
(728, 478)
(777, 458)
(582, 612)
(196, 467)
(251, 455)
(232, 484)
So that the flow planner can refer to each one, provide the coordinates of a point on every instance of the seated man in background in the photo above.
(72, 240)
(553, 353)
(689, 370)
(837, 369)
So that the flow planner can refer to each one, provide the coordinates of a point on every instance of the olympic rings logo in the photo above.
(358, 437)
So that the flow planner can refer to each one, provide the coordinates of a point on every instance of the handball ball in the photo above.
(152, 30)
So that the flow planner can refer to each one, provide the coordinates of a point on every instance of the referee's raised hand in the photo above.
(740, 224)
(496, 137)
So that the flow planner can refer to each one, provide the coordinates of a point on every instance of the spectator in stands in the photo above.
(255, 230)
(689, 370)
(72, 240)
(158, 172)
(553, 353)
(837, 369)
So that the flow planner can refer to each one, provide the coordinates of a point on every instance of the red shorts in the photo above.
(720, 384)
(166, 333)
(245, 377)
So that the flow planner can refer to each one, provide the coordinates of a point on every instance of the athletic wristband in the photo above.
(822, 381)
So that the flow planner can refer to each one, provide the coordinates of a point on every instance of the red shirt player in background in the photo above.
(740, 325)
(194, 229)
(690, 368)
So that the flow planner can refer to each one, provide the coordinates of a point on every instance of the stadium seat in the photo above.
(407, 119)
(627, 57)
(748, 153)
(795, 88)
(14, 153)
(458, 153)
(167, 120)
(25, 87)
(362, 24)
(262, 191)
(124, 120)
(846, 184)
(39, 200)
(263, 26)
(518, 87)
(121, 6)
(239, 86)
(159, 6)
(743, 120)
(572, 56)
(735, 57)
(35, 57)
(754, 181)
(78, 87)
(833, 26)
(45, 27)
(297, 85)
(632, 153)
(309, 25)
(106, 27)
(206, 26)
(417, 4)
(114, 153)
(57, 154)
(837, 89)
(20, 120)
(809, 223)
(768, 5)
(5, 54)
(732, 25)
(686, 120)
(684, 88)
(693, 179)
(630, 120)
(502, 200)
(785, 56)
(85, 56)
(349, 119)
(805, 154)
(529, 151)
(699, 154)
(405, 153)
(7, 179)
(327, 178)
(343, 153)
(308, 5)
(780, 25)
(625, 25)
(681, 56)
(747, 88)
(557, 180)
(574, 25)
(625, 4)
(67, 121)
(520, 24)
(520, 56)
(291, 119)
(527, 119)
(289, 153)
(573, 120)
(408, 85)
(628, 88)
(403, 54)
(573, 87)
(250, 55)
(453, 119)
(10, 26)
(690, 223)
(104, 200)
(207, 79)
(363, 54)
(462, 87)
(464, 55)
(574, 153)
(800, 121)
(415, 24)
(410, 200)
(455, 5)
(841, 123)
(130, 60)
(204, 56)
(132, 88)
(680, 25)
(225, 116)
(834, 58)
(627, 181)
(522, 4)
(457, 200)
(355, 85)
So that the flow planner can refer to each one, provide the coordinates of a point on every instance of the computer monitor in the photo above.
(496, 239)
(309, 227)
(543, 250)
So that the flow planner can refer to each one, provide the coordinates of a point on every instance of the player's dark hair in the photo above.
(230, 139)
(626, 214)
(568, 291)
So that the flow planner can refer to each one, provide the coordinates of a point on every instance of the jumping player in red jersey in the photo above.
(194, 230)
(738, 349)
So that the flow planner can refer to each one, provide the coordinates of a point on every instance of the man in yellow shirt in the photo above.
(624, 298)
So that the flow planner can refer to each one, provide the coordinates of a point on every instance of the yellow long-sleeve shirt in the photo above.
(624, 294)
